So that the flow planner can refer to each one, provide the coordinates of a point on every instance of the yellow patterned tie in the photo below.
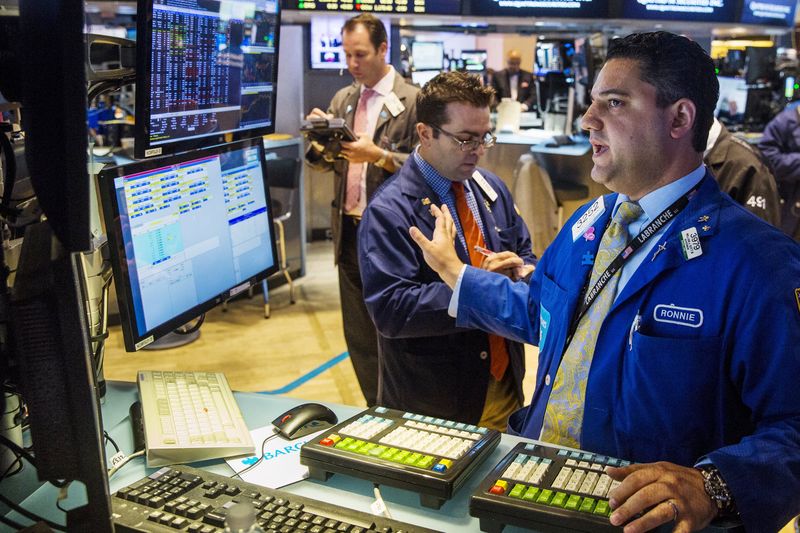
(564, 414)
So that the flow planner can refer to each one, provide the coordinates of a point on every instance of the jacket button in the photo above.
(547, 380)
(484, 354)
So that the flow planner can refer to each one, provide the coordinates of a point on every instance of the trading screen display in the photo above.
(326, 42)
(418, 7)
(427, 55)
(474, 60)
(540, 8)
(209, 67)
(769, 12)
(188, 230)
(689, 10)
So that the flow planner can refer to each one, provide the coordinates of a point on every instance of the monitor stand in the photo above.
(173, 340)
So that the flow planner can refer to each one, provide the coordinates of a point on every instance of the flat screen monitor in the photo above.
(427, 55)
(206, 72)
(326, 43)
(186, 232)
(474, 60)
(759, 64)
(540, 8)
(769, 12)
(403, 7)
(688, 10)
(732, 100)
(421, 77)
(758, 109)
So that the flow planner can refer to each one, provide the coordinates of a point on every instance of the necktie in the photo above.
(355, 170)
(564, 414)
(472, 236)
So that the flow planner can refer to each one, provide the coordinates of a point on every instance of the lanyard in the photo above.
(634, 244)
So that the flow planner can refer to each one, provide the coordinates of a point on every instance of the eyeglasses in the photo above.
(471, 145)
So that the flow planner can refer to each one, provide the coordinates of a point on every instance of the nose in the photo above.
(589, 121)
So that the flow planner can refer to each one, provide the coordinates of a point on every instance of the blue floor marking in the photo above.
(312, 374)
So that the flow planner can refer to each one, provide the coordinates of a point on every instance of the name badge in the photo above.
(544, 325)
(588, 218)
(690, 242)
(682, 316)
(484, 185)
(393, 104)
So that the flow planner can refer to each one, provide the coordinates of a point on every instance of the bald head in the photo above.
(514, 61)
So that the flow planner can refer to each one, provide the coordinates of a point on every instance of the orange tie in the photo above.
(472, 234)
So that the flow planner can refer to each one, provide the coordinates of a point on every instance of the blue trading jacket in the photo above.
(698, 358)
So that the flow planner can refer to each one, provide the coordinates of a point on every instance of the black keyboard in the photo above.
(551, 489)
(182, 498)
(424, 454)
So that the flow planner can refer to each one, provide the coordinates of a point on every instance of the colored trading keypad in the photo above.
(538, 486)
(427, 454)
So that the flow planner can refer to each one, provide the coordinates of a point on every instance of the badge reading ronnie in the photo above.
(682, 316)
(690, 242)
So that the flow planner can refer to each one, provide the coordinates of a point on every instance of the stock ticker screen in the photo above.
(416, 7)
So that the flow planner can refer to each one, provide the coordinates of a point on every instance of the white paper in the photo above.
(281, 463)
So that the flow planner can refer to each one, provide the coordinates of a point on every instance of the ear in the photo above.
(382, 49)
(684, 114)
(425, 133)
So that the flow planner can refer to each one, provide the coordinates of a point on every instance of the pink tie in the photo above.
(355, 170)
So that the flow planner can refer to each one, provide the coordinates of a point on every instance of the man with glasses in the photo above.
(426, 364)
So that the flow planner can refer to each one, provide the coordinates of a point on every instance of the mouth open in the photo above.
(598, 148)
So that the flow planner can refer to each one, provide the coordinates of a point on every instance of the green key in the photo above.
(517, 491)
(559, 500)
(389, 454)
(412, 459)
(545, 496)
(377, 451)
(587, 506)
(354, 446)
(426, 461)
(344, 442)
(400, 456)
(602, 508)
(531, 493)
(573, 502)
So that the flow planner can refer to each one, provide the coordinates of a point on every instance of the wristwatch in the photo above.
(717, 490)
(382, 161)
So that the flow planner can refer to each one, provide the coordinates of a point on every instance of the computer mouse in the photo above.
(303, 420)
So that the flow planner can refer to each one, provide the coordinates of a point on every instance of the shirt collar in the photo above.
(438, 183)
(654, 203)
(385, 85)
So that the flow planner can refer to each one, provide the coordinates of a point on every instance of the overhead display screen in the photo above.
(769, 12)
(540, 8)
(417, 7)
(689, 10)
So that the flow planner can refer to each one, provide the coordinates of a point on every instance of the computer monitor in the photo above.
(326, 42)
(758, 110)
(186, 232)
(427, 55)
(206, 72)
(421, 77)
(732, 100)
(759, 64)
(474, 60)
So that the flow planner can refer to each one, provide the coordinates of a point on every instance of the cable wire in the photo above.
(28, 514)
(109, 439)
(260, 457)
(115, 469)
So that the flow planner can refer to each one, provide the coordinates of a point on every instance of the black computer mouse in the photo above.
(304, 419)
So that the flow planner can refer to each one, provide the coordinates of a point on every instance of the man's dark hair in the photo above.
(373, 25)
(678, 68)
(450, 87)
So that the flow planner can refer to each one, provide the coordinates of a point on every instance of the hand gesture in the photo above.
(439, 251)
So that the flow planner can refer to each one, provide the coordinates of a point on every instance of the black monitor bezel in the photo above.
(119, 259)
(142, 146)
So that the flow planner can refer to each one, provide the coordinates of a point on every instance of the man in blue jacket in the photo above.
(780, 145)
(427, 365)
(667, 317)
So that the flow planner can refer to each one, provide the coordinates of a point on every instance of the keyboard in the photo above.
(190, 416)
(428, 455)
(182, 498)
(552, 489)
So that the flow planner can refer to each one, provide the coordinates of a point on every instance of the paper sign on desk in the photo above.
(281, 463)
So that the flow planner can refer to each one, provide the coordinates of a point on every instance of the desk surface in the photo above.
(259, 410)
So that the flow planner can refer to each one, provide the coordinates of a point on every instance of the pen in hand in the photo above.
(484, 251)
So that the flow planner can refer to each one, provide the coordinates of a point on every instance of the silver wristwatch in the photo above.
(717, 490)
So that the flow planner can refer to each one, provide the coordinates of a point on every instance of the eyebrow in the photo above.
(618, 92)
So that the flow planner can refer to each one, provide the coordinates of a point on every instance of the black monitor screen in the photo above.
(378, 7)
(474, 60)
(769, 12)
(689, 10)
(205, 68)
(186, 232)
(540, 8)
(759, 64)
